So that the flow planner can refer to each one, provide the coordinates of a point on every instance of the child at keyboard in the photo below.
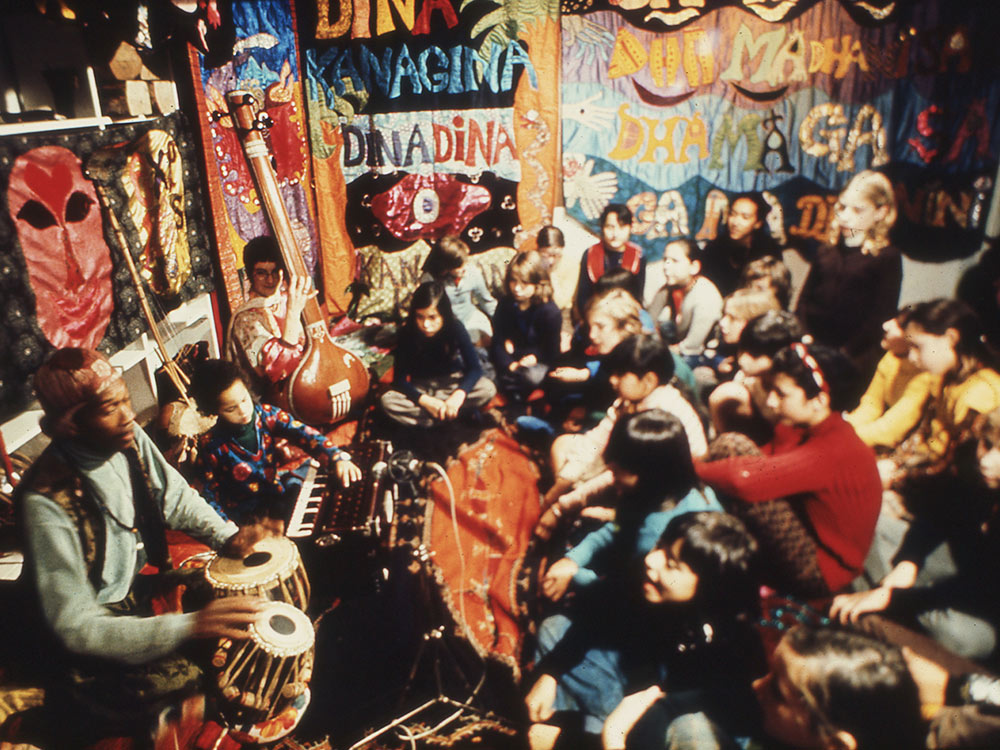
(237, 460)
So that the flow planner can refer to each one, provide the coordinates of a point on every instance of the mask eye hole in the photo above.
(37, 215)
(78, 206)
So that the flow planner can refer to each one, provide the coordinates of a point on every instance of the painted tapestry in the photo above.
(433, 117)
(63, 278)
(265, 63)
(673, 107)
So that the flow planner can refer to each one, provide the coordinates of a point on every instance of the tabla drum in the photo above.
(273, 569)
(261, 676)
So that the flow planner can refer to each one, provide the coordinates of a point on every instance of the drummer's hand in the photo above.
(240, 543)
(227, 617)
(347, 472)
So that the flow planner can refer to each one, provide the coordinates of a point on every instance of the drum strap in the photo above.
(148, 514)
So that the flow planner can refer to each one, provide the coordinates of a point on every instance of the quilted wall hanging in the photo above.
(673, 107)
(63, 278)
(433, 117)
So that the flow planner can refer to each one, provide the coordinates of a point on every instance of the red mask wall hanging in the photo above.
(58, 220)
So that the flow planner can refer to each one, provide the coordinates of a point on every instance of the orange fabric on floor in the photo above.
(496, 508)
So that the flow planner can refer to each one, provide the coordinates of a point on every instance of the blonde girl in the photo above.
(853, 284)
(583, 388)
(864, 213)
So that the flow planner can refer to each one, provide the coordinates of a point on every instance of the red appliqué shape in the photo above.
(429, 206)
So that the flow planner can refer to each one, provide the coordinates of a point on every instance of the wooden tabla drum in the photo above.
(273, 570)
(262, 675)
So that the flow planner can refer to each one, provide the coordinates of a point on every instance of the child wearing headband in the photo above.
(819, 464)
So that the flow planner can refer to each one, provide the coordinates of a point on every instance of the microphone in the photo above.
(379, 471)
(403, 466)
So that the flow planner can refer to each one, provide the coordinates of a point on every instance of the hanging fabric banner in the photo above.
(264, 62)
(416, 108)
(672, 108)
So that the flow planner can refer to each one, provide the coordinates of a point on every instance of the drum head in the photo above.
(281, 629)
(271, 557)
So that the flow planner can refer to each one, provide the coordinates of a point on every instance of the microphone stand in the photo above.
(403, 469)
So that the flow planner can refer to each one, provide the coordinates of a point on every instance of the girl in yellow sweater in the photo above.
(895, 400)
(946, 339)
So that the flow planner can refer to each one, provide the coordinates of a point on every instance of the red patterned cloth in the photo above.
(496, 509)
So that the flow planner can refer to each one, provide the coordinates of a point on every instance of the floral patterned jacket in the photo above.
(236, 481)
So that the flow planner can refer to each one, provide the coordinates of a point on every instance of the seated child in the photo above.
(769, 274)
(895, 400)
(525, 328)
(237, 463)
(665, 329)
(471, 301)
(690, 300)
(436, 371)
(562, 273)
(640, 369)
(744, 238)
(649, 461)
(854, 279)
(948, 596)
(622, 279)
(741, 404)
(550, 243)
(815, 468)
(617, 278)
(613, 251)
(719, 360)
(946, 340)
(578, 390)
(579, 376)
(831, 688)
(689, 631)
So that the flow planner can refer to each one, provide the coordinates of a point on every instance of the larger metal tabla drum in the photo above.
(273, 569)
(261, 676)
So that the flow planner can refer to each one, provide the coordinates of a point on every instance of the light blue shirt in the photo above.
(649, 533)
(70, 604)
(470, 299)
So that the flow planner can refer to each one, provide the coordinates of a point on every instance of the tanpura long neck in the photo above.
(258, 157)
